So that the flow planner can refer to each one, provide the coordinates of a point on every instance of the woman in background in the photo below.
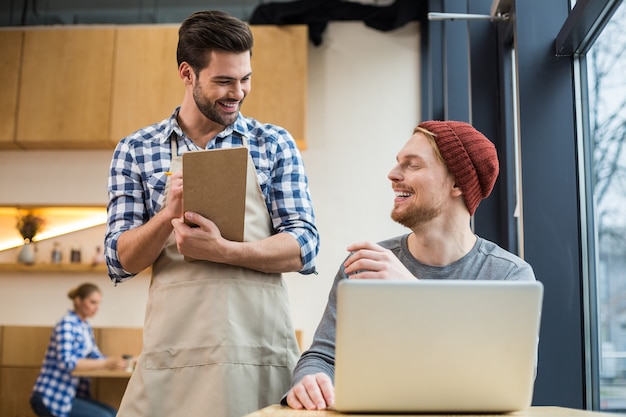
(72, 347)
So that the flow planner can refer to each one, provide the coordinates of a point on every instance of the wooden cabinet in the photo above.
(88, 87)
(146, 86)
(10, 57)
(279, 78)
(65, 88)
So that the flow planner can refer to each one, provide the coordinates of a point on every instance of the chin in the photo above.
(398, 217)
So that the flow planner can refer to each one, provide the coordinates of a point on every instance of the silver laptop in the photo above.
(436, 346)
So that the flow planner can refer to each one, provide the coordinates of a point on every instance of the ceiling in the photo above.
(69, 12)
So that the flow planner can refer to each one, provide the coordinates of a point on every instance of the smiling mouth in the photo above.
(403, 194)
(231, 105)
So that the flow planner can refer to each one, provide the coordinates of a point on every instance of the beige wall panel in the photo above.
(24, 345)
(16, 385)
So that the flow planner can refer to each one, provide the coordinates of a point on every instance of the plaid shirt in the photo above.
(137, 182)
(67, 345)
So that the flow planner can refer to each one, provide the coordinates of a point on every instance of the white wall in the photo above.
(363, 105)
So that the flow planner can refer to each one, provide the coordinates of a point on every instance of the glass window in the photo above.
(606, 66)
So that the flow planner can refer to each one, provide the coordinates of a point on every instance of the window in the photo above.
(606, 168)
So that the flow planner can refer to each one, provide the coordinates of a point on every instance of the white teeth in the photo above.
(402, 194)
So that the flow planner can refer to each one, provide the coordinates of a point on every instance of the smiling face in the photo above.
(421, 183)
(220, 88)
(87, 307)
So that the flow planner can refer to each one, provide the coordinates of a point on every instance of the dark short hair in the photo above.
(211, 30)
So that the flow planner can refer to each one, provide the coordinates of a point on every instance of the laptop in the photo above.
(436, 346)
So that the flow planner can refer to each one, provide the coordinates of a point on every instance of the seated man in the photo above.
(442, 173)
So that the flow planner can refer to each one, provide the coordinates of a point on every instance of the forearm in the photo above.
(275, 254)
(93, 364)
(139, 247)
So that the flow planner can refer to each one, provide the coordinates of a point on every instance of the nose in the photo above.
(395, 174)
(238, 92)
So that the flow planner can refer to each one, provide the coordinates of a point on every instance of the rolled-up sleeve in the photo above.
(135, 194)
(291, 205)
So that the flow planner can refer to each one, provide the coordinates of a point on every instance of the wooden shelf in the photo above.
(39, 268)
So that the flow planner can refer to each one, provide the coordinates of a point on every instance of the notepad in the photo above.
(214, 186)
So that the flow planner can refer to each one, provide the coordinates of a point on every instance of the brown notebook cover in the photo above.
(214, 185)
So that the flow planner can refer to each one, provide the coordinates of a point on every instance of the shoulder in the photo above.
(69, 318)
(265, 134)
(151, 136)
(514, 267)
(399, 247)
(69, 323)
(393, 244)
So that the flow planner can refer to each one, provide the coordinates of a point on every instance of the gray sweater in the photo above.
(486, 261)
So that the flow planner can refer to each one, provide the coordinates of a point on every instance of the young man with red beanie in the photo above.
(442, 173)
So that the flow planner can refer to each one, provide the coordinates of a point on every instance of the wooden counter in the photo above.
(279, 411)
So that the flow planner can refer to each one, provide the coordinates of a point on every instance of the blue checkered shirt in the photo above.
(67, 345)
(137, 182)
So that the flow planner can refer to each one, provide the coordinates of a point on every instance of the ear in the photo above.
(456, 190)
(186, 73)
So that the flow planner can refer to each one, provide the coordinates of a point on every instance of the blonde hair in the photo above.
(431, 139)
(83, 291)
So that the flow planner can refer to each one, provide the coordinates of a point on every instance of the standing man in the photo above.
(218, 337)
(442, 173)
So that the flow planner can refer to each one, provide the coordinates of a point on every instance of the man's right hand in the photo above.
(313, 392)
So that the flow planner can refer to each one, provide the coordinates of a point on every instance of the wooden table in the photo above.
(107, 386)
(279, 411)
(104, 373)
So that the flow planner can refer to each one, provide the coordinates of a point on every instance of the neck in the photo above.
(196, 126)
(441, 244)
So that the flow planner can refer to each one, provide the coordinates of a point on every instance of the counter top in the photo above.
(280, 411)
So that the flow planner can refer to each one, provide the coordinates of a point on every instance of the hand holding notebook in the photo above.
(215, 187)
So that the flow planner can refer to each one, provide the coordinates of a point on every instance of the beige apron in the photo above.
(218, 339)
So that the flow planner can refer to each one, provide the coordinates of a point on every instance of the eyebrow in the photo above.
(226, 77)
(410, 156)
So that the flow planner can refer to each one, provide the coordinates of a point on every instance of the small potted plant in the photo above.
(28, 224)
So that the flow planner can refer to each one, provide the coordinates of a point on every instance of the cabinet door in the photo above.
(279, 78)
(65, 90)
(10, 56)
(146, 85)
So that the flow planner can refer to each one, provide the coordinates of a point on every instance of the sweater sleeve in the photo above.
(320, 357)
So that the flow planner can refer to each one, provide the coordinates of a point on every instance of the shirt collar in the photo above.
(239, 128)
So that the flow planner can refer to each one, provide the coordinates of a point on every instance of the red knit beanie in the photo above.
(470, 157)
